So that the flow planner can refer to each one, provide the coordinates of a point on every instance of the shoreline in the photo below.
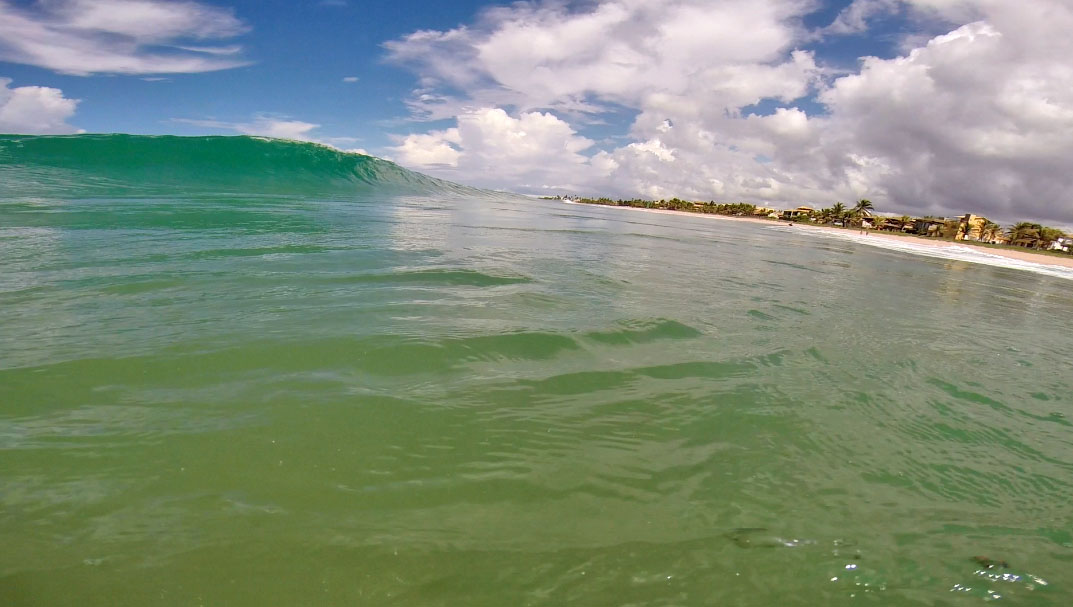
(1017, 255)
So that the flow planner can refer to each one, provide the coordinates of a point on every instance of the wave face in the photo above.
(137, 165)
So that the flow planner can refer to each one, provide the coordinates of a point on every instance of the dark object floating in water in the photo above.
(990, 563)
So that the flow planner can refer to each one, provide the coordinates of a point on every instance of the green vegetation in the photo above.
(677, 204)
(968, 229)
(1033, 235)
(864, 208)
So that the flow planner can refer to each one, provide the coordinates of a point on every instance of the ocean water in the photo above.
(245, 372)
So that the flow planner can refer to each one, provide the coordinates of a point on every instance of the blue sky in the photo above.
(926, 106)
(299, 54)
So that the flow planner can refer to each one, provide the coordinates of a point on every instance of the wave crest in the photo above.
(69, 166)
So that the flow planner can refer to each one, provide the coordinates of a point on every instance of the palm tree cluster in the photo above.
(1024, 234)
(839, 213)
(990, 231)
(677, 204)
(1034, 235)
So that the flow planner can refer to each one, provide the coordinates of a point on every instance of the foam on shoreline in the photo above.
(967, 253)
(1014, 260)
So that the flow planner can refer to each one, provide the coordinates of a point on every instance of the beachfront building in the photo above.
(798, 213)
(929, 226)
(974, 227)
(765, 211)
(895, 224)
(1062, 243)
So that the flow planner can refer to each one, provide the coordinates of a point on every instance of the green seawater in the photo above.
(246, 372)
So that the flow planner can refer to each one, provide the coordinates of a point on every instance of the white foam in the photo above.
(970, 254)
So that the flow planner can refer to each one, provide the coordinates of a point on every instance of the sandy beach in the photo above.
(1009, 253)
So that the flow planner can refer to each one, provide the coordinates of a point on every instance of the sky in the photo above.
(925, 107)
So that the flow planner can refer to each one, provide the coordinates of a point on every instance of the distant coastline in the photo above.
(1008, 252)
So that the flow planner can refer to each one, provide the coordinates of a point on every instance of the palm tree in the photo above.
(1047, 236)
(832, 213)
(1025, 234)
(988, 230)
(861, 210)
(864, 207)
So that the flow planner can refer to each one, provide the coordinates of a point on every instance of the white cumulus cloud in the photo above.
(980, 118)
(119, 36)
(489, 148)
(35, 110)
(975, 118)
(555, 55)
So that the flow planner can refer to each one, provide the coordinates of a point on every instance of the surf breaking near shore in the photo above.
(955, 252)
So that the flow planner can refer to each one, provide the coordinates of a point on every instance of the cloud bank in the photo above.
(84, 37)
(976, 114)
(35, 110)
